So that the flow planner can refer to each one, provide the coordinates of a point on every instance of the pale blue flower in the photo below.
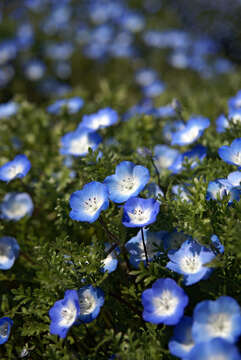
(17, 168)
(15, 206)
(9, 251)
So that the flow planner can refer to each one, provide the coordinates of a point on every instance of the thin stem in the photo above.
(27, 258)
(112, 236)
(123, 301)
(144, 246)
(156, 170)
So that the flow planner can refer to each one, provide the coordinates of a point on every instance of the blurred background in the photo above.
(53, 48)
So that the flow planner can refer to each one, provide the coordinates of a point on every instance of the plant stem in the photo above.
(144, 246)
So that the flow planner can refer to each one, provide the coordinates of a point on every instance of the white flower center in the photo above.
(236, 158)
(236, 118)
(16, 209)
(165, 304)
(4, 330)
(91, 205)
(190, 264)
(14, 170)
(87, 303)
(107, 261)
(80, 145)
(220, 325)
(68, 314)
(4, 253)
(139, 216)
(128, 185)
(190, 135)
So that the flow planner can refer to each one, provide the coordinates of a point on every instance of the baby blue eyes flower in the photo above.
(87, 204)
(235, 102)
(5, 328)
(140, 212)
(189, 261)
(153, 241)
(220, 318)
(222, 123)
(8, 109)
(182, 342)
(90, 301)
(17, 168)
(78, 142)
(109, 264)
(216, 349)
(154, 89)
(64, 313)
(231, 154)
(73, 105)
(9, 251)
(235, 178)
(192, 130)
(129, 180)
(199, 152)
(101, 119)
(222, 187)
(217, 244)
(164, 157)
(164, 303)
(15, 206)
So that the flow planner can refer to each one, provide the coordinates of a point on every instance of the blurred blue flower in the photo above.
(164, 157)
(217, 319)
(8, 51)
(222, 187)
(153, 241)
(129, 180)
(193, 129)
(235, 102)
(17, 168)
(73, 105)
(5, 327)
(198, 152)
(154, 191)
(87, 204)
(109, 264)
(156, 88)
(34, 69)
(231, 154)
(190, 261)
(103, 118)
(213, 350)
(181, 192)
(222, 123)
(63, 314)
(145, 76)
(140, 212)
(91, 299)
(9, 251)
(15, 206)
(182, 342)
(78, 142)
(164, 302)
(217, 244)
(8, 109)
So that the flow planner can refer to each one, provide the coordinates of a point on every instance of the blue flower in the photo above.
(164, 157)
(64, 313)
(189, 261)
(145, 76)
(214, 350)
(17, 168)
(34, 70)
(101, 119)
(154, 89)
(90, 301)
(182, 342)
(153, 190)
(217, 244)
(220, 188)
(172, 127)
(192, 131)
(199, 152)
(235, 178)
(8, 109)
(235, 102)
(153, 241)
(9, 251)
(87, 204)
(5, 327)
(222, 123)
(15, 206)
(140, 212)
(220, 318)
(164, 303)
(129, 180)
(78, 142)
(231, 154)
(181, 192)
(109, 264)
(73, 105)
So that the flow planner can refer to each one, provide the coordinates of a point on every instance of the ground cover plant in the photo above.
(120, 184)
